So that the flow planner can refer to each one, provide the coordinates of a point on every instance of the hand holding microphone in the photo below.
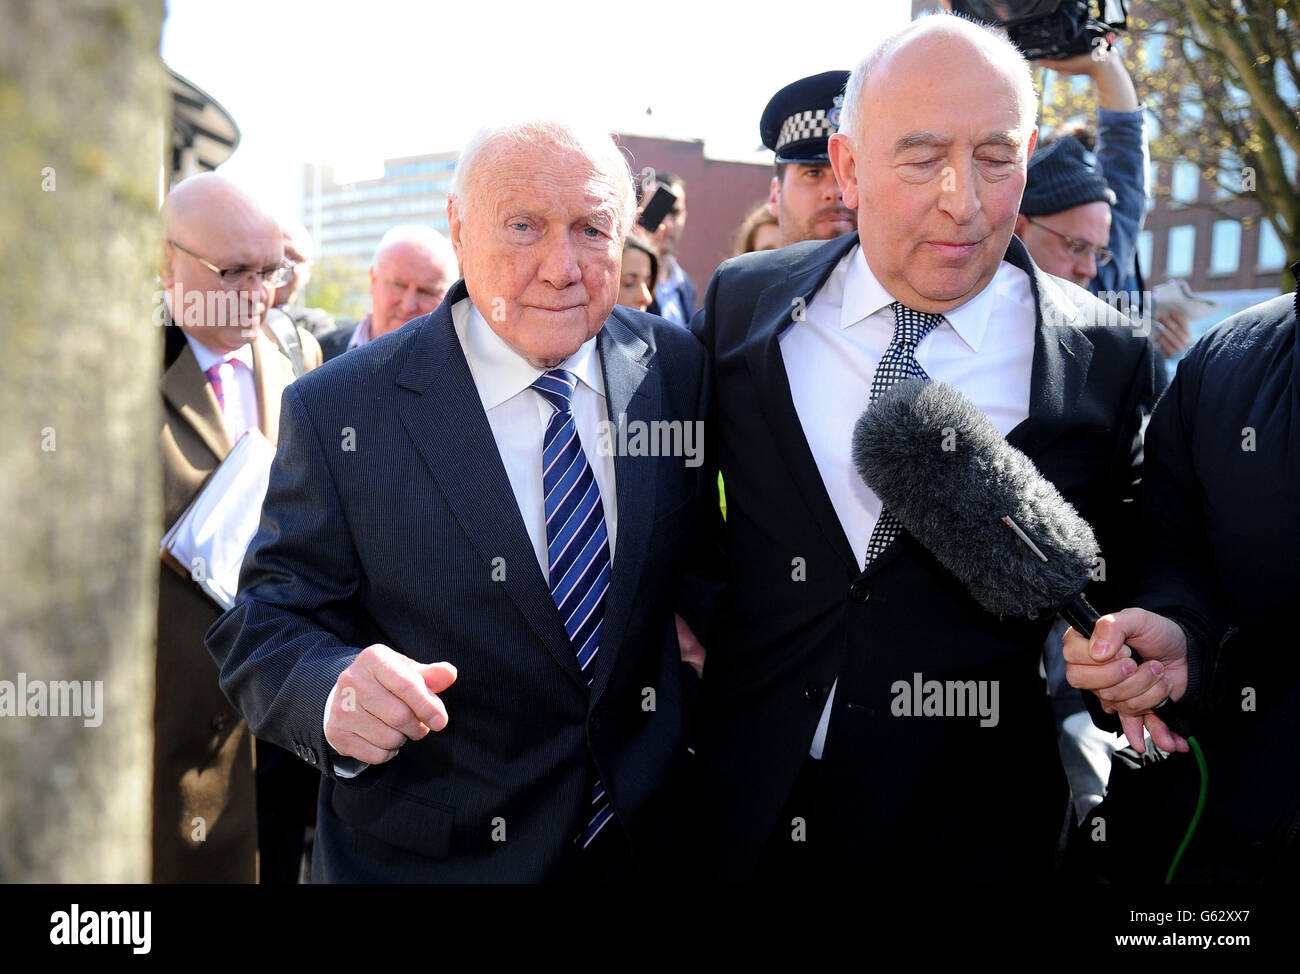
(982, 508)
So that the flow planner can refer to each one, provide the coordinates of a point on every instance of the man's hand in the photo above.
(383, 700)
(692, 651)
(1105, 666)
(1173, 332)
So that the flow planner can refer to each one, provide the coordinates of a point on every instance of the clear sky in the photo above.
(350, 84)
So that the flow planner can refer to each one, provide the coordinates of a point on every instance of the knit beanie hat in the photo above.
(1062, 176)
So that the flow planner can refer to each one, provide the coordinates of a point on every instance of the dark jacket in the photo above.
(413, 538)
(941, 798)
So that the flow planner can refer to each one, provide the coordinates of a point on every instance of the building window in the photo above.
(1146, 243)
(1182, 251)
(1185, 182)
(1272, 255)
(1225, 247)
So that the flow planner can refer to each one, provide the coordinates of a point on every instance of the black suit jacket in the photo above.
(390, 519)
(928, 797)
(335, 343)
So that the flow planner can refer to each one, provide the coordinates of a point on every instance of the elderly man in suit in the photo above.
(813, 767)
(222, 260)
(410, 274)
(459, 604)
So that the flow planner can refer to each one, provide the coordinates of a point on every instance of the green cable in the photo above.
(1200, 807)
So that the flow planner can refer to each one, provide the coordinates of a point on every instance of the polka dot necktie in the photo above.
(577, 542)
(897, 365)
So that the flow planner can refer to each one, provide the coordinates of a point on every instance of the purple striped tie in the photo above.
(576, 541)
(214, 376)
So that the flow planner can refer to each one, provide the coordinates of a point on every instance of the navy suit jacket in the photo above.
(923, 797)
(390, 519)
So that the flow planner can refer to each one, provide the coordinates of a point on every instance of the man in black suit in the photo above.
(459, 605)
(823, 750)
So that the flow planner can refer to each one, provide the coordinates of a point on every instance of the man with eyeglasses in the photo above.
(222, 260)
(413, 268)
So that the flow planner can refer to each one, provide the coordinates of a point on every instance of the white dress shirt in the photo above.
(237, 387)
(985, 349)
(518, 416)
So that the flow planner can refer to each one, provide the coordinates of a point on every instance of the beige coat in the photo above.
(204, 807)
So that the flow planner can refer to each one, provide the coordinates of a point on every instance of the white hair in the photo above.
(430, 239)
(993, 41)
(597, 147)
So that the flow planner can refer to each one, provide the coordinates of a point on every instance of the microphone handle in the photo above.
(1082, 617)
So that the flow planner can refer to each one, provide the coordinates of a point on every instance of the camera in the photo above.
(1050, 28)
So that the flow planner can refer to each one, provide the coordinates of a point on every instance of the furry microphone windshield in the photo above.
(951, 478)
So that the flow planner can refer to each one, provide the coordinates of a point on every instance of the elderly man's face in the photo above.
(406, 280)
(539, 247)
(937, 173)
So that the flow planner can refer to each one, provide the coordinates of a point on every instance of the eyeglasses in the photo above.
(236, 276)
(1076, 247)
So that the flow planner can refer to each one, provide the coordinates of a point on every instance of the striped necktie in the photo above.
(214, 376)
(897, 365)
(576, 541)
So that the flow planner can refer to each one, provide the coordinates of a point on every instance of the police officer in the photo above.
(796, 124)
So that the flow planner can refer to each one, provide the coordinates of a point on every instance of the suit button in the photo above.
(859, 592)
(811, 691)
(219, 723)
(595, 723)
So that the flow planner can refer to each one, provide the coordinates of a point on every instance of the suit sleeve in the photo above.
(281, 647)
(703, 575)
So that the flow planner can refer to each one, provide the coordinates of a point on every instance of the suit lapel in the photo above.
(445, 420)
(773, 313)
(187, 389)
(632, 395)
(1062, 357)
(272, 373)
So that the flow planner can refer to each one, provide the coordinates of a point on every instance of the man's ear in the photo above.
(453, 230)
(845, 167)
(165, 275)
(774, 198)
(1033, 143)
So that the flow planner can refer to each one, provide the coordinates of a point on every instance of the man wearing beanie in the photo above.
(1082, 209)
(1066, 217)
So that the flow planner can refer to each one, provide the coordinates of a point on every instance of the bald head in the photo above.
(938, 127)
(412, 270)
(209, 221)
(937, 39)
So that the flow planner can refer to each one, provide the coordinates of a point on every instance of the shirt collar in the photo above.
(864, 295)
(361, 335)
(207, 358)
(500, 373)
